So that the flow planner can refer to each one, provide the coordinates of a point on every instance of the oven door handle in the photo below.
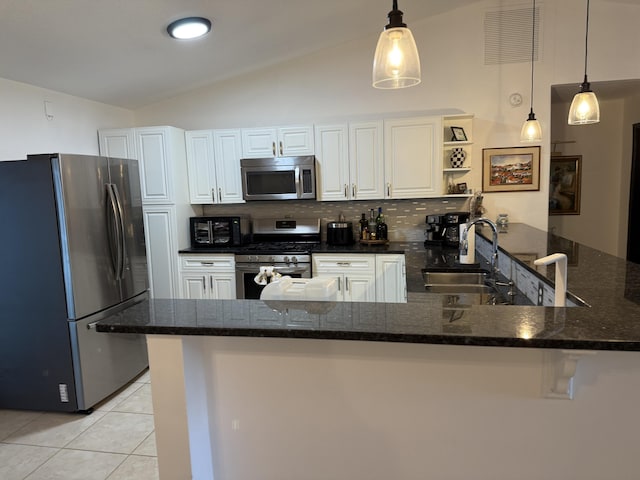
(288, 270)
(282, 270)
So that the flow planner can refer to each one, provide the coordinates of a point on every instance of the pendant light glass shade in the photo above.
(396, 63)
(584, 107)
(531, 129)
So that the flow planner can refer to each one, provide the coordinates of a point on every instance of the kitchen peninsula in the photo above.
(355, 390)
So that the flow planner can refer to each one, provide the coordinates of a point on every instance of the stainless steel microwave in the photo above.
(214, 232)
(282, 178)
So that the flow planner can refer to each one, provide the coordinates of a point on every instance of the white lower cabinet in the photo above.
(204, 276)
(391, 278)
(359, 274)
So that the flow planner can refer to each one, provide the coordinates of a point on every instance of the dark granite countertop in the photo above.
(609, 284)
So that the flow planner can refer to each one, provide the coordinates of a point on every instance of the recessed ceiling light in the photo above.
(188, 28)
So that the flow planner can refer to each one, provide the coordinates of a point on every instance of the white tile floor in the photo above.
(115, 442)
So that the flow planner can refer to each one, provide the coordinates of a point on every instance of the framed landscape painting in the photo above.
(514, 169)
(564, 185)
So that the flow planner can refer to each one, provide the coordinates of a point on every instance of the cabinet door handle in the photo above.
(388, 189)
(339, 285)
(346, 284)
(220, 194)
(345, 190)
(211, 282)
(281, 150)
(204, 283)
(213, 195)
(353, 190)
(273, 148)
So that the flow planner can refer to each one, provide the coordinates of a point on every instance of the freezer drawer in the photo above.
(103, 362)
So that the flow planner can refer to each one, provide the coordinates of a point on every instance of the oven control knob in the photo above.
(294, 260)
(285, 259)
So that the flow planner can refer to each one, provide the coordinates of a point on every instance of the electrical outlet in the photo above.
(540, 294)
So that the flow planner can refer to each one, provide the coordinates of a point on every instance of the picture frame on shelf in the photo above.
(514, 169)
(458, 134)
(461, 187)
(564, 185)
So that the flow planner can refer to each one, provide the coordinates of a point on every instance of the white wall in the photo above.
(24, 129)
(601, 147)
(317, 409)
(336, 82)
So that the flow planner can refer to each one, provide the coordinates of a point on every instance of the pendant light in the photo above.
(531, 129)
(396, 63)
(584, 107)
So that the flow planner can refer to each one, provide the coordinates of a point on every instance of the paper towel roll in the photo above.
(467, 248)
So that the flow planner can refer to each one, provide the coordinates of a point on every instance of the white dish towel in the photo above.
(266, 274)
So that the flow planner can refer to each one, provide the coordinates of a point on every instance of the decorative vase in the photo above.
(457, 157)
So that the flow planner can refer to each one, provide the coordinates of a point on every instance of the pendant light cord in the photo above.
(586, 43)
(533, 46)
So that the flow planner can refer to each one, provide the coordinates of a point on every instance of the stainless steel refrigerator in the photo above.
(72, 252)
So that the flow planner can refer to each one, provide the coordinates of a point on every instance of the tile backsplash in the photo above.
(405, 218)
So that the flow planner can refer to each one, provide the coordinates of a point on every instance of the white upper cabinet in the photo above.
(366, 164)
(227, 153)
(201, 166)
(413, 158)
(332, 162)
(154, 147)
(350, 161)
(118, 143)
(213, 159)
(162, 157)
(277, 142)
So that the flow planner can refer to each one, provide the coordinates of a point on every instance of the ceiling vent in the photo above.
(507, 36)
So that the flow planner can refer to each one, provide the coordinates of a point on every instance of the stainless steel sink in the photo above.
(455, 281)
(462, 287)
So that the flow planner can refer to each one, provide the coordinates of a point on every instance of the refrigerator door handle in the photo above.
(114, 227)
(122, 245)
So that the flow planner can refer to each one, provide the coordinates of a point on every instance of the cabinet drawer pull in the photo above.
(343, 264)
(207, 264)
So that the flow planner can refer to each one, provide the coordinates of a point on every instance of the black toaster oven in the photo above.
(211, 232)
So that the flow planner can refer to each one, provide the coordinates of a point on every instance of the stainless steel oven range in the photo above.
(282, 243)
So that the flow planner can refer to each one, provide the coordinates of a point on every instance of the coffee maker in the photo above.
(433, 233)
(451, 227)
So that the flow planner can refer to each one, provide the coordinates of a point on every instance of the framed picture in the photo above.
(461, 187)
(458, 134)
(515, 169)
(564, 185)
